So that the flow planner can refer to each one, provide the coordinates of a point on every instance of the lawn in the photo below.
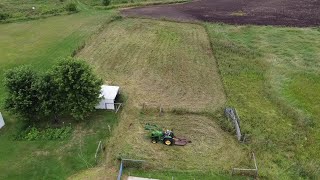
(41, 43)
(271, 75)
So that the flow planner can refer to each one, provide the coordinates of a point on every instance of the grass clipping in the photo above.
(211, 147)
(158, 63)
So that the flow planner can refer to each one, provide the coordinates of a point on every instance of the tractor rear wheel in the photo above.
(168, 141)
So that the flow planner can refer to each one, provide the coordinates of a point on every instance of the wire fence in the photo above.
(129, 163)
(247, 171)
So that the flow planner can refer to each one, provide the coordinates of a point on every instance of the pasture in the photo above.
(40, 44)
(270, 74)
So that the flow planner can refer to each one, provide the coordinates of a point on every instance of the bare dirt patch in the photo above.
(300, 13)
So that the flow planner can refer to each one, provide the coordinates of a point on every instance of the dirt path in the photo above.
(301, 13)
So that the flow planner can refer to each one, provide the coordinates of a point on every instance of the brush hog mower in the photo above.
(167, 137)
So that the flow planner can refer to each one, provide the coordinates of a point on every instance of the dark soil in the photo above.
(301, 13)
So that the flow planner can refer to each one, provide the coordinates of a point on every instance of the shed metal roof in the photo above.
(109, 92)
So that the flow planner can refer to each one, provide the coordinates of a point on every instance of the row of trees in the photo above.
(68, 88)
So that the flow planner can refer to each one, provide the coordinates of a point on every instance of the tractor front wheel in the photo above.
(154, 140)
(168, 141)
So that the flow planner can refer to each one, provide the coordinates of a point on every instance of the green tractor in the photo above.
(167, 137)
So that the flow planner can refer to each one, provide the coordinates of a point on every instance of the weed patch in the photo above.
(33, 134)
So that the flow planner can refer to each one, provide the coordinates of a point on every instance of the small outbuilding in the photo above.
(108, 96)
(1, 121)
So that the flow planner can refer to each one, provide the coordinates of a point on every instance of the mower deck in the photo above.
(181, 141)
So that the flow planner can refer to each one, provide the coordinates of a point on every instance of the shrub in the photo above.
(106, 2)
(32, 134)
(4, 16)
(71, 7)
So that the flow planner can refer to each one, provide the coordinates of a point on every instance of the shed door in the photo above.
(110, 104)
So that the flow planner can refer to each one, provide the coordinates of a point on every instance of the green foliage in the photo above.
(71, 7)
(22, 94)
(32, 134)
(4, 16)
(106, 2)
(22, 9)
(51, 104)
(56, 37)
(78, 89)
(70, 88)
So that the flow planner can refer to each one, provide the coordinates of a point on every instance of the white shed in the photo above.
(108, 94)
(1, 121)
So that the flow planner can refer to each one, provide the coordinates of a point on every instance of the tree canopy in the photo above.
(23, 96)
(69, 88)
(78, 89)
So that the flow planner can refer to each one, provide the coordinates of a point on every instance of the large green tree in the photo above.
(78, 88)
(69, 88)
(51, 104)
(22, 96)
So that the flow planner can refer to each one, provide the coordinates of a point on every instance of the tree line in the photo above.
(69, 88)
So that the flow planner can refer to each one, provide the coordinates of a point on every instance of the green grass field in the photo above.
(41, 43)
(22, 9)
(271, 75)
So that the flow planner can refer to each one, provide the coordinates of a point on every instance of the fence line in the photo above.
(121, 166)
(117, 109)
(115, 105)
(255, 170)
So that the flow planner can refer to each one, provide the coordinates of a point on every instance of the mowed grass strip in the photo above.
(41, 43)
(158, 63)
(211, 150)
(271, 75)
